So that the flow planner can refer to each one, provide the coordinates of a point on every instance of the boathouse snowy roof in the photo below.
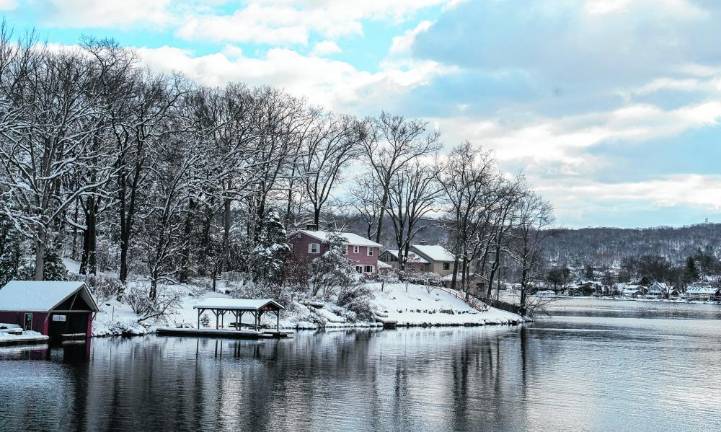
(350, 238)
(434, 252)
(41, 296)
(237, 304)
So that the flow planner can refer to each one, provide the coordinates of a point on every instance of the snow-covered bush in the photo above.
(146, 307)
(333, 269)
(357, 299)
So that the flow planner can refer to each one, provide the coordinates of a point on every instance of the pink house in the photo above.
(308, 245)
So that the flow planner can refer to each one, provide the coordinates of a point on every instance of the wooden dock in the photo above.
(24, 340)
(223, 333)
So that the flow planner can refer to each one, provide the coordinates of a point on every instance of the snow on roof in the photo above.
(412, 256)
(701, 290)
(41, 296)
(236, 304)
(434, 252)
(350, 238)
(382, 265)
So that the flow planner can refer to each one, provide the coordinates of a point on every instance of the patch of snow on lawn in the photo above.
(412, 305)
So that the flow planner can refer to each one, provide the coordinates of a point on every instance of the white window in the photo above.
(359, 269)
(314, 248)
(369, 269)
(370, 251)
(356, 249)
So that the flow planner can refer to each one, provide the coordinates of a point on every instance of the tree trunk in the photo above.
(88, 262)
(382, 212)
(40, 256)
(187, 231)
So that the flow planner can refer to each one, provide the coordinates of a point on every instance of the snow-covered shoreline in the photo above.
(406, 305)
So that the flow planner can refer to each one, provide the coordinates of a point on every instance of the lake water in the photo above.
(593, 365)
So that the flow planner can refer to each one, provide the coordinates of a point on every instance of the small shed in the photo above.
(237, 308)
(53, 308)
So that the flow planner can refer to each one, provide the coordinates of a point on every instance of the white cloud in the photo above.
(703, 191)
(325, 48)
(291, 22)
(676, 8)
(8, 5)
(107, 13)
(404, 42)
(563, 140)
(331, 83)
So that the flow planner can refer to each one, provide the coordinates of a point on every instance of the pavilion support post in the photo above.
(277, 321)
(198, 319)
(240, 320)
(222, 318)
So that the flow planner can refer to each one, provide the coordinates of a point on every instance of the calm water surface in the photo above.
(593, 365)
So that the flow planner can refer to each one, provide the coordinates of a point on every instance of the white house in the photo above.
(658, 289)
(702, 293)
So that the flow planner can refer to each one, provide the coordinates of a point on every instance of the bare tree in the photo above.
(329, 146)
(468, 178)
(392, 143)
(533, 217)
(412, 196)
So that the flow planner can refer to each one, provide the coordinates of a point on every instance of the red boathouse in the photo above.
(53, 308)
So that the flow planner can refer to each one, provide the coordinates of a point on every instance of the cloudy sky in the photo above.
(610, 107)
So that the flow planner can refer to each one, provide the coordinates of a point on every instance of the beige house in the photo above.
(440, 260)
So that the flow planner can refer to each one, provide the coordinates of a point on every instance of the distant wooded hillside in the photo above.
(606, 246)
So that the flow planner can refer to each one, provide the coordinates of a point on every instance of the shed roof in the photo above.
(351, 238)
(435, 252)
(237, 304)
(42, 296)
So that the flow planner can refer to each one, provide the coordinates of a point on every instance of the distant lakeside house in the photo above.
(361, 252)
(440, 260)
(414, 262)
(422, 258)
(703, 293)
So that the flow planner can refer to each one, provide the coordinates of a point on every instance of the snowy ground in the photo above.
(415, 305)
(411, 305)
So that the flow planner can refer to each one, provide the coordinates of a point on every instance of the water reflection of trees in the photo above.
(415, 379)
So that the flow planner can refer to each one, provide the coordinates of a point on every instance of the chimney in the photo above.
(423, 243)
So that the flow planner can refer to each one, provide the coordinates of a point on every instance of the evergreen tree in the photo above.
(269, 257)
(10, 255)
(333, 269)
(691, 271)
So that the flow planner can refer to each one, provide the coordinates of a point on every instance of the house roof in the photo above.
(237, 304)
(350, 238)
(434, 253)
(412, 256)
(658, 287)
(701, 290)
(42, 296)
